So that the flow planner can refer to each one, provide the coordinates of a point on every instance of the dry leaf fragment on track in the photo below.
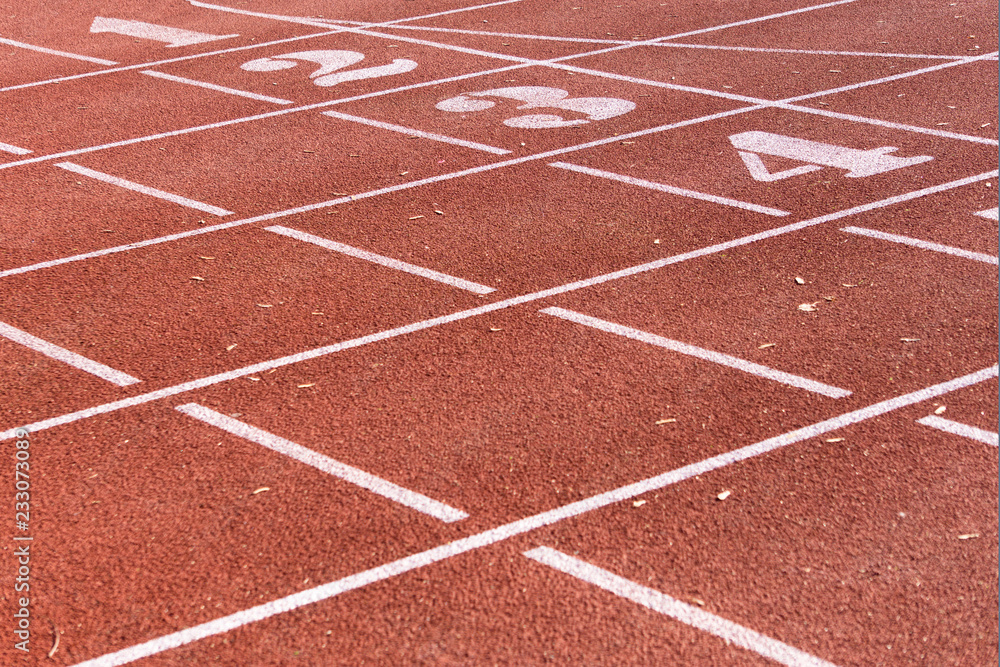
(834, 440)
(261, 490)
(725, 494)
(909, 340)
(265, 305)
(799, 281)
(808, 307)
(303, 386)
(670, 420)
(495, 329)
(766, 345)
(416, 217)
(229, 348)
(940, 410)
(968, 536)
(638, 503)
(439, 212)
(198, 278)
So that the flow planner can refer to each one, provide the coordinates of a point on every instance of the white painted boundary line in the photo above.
(7, 148)
(668, 606)
(381, 259)
(135, 187)
(464, 314)
(725, 201)
(989, 213)
(955, 428)
(212, 86)
(53, 52)
(700, 353)
(917, 243)
(62, 354)
(862, 54)
(417, 133)
(521, 526)
(377, 485)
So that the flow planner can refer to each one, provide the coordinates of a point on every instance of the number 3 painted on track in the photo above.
(596, 108)
(329, 61)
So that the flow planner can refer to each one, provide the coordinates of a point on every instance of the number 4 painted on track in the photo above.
(858, 163)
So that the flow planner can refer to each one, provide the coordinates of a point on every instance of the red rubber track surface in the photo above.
(605, 334)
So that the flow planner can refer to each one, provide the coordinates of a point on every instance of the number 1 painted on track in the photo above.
(157, 33)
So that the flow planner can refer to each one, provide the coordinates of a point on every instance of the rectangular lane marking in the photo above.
(989, 213)
(494, 535)
(7, 148)
(365, 480)
(661, 602)
(380, 259)
(925, 245)
(417, 133)
(212, 86)
(735, 203)
(700, 353)
(955, 428)
(135, 187)
(67, 357)
(53, 52)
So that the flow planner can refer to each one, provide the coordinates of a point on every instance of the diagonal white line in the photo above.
(143, 189)
(925, 245)
(521, 526)
(53, 52)
(417, 133)
(381, 259)
(7, 148)
(377, 485)
(700, 353)
(464, 314)
(989, 213)
(685, 613)
(670, 189)
(62, 354)
(212, 86)
(955, 428)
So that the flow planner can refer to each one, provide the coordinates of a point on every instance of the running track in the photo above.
(520, 332)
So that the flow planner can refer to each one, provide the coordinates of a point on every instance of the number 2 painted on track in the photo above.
(534, 97)
(329, 62)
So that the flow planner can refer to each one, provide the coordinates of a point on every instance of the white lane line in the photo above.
(769, 17)
(417, 133)
(7, 148)
(136, 187)
(364, 195)
(700, 353)
(473, 312)
(725, 201)
(67, 357)
(917, 243)
(513, 35)
(212, 86)
(377, 485)
(53, 52)
(664, 604)
(494, 535)
(864, 54)
(464, 314)
(381, 259)
(955, 428)
(989, 213)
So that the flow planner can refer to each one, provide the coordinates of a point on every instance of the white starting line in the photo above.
(955, 428)
(989, 213)
(143, 189)
(382, 260)
(53, 52)
(925, 245)
(212, 86)
(683, 612)
(700, 353)
(417, 133)
(365, 480)
(62, 354)
(735, 203)
(7, 148)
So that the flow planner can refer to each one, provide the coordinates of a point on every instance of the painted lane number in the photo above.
(858, 163)
(535, 97)
(329, 62)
